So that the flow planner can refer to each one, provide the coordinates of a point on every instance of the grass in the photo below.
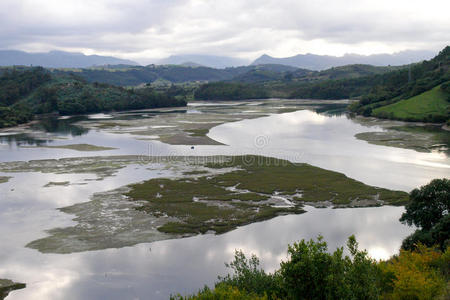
(205, 204)
(428, 106)
(197, 132)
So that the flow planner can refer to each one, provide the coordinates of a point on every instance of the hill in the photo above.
(136, 75)
(322, 62)
(25, 92)
(211, 61)
(335, 83)
(430, 106)
(419, 79)
(58, 59)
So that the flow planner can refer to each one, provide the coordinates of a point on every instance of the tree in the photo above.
(428, 210)
(313, 273)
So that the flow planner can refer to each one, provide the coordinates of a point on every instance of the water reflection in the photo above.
(320, 136)
(154, 271)
(329, 142)
(61, 126)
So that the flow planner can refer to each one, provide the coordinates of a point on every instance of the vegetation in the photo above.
(4, 179)
(421, 80)
(419, 274)
(28, 91)
(425, 138)
(430, 106)
(229, 91)
(7, 286)
(428, 210)
(135, 75)
(311, 272)
(224, 201)
(335, 83)
(178, 74)
(14, 85)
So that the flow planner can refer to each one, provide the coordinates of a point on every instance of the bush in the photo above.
(249, 276)
(221, 292)
(417, 274)
(310, 273)
(313, 273)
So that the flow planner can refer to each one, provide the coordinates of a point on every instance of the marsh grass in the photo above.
(203, 204)
(4, 179)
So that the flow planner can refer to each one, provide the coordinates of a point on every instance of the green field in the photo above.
(430, 106)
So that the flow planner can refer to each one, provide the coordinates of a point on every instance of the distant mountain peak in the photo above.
(212, 61)
(58, 59)
(322, 62)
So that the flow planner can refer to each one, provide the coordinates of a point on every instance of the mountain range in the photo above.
(212, 61)
(323, 62)
(61, 59)
(58, 59)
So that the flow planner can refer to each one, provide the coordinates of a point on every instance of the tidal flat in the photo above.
(181, 127)
(416, 136)
(79, 147)
(213, 194)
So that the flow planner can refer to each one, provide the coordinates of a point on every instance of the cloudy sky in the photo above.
(143, 30)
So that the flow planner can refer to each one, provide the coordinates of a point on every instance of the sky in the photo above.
(145, 30)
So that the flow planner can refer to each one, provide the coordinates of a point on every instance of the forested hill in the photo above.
(25, 92)
(427, 84)
(335, 83)
(136, 75)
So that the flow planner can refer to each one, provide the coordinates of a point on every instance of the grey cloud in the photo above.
(222, 27)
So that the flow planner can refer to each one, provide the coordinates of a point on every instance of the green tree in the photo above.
(313, 273)
(428, 210)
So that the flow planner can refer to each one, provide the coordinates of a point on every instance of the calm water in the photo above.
(155, 270)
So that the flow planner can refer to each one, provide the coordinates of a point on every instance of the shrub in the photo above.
(417, 274)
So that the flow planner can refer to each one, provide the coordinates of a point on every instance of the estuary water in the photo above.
(306, 132)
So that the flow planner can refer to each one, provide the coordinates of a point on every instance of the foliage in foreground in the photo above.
(419, 274)
(311, 272)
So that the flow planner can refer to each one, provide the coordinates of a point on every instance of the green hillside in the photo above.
(414, 88)
(431, 106)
